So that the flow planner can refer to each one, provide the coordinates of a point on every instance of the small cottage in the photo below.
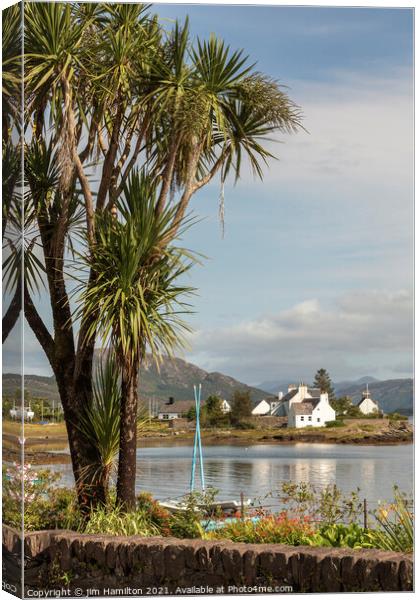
(367, 405)
(177, 409)
(267, 406)
(174, 410)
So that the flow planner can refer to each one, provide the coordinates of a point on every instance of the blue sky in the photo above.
(315, 268)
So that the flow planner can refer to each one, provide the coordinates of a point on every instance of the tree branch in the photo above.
(87, 193)
(13, 312)
(38, 327)
(134, 157)
(109, 161)
(207, 178)
(168, 174)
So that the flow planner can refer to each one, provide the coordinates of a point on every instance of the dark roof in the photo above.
(363, 399)
(315, 392)
(304, 408)
(258, 401)
(289, 395)
(180, 407)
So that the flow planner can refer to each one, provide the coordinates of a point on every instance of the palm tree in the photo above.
(121, 93)
(136, 302)
(100, 422)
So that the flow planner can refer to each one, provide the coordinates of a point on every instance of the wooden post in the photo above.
(242, 506)
(365, 514)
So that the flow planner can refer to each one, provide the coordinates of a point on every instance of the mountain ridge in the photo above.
(175, 378)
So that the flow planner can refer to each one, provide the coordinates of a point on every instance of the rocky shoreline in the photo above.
(394, 433)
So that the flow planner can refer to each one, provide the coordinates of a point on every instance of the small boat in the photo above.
(224, 507)
(218, 507)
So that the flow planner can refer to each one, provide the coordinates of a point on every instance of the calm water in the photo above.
(259, 469)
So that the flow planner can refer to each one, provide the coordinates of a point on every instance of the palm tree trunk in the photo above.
(74, 392)
(126, 482)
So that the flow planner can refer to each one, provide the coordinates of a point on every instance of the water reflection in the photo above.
(258, 470)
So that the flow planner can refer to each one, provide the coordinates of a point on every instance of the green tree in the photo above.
(323, 382)
(341, 405)
(213, 408)
(344, 407)
(241, 406)
(7, 405)
(109, 91)
(135, 301)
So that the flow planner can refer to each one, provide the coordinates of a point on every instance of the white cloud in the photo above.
(360, 131)
(359, 333)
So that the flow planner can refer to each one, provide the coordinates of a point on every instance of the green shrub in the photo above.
(114, 521)
(341, 536)
(158, 515)
(368, 427)
(395, 522)
(327, 505)
(197, 507)
(397, 417)
(336, 423)
(243, 425)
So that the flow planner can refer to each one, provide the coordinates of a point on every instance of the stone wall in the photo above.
(268, 421)
(181, 424)
(177, 566)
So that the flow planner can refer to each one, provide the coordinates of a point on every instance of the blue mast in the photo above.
(197, 442)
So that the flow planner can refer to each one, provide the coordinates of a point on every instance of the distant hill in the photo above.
(362, 381)
(176, 378)
(393, 395)
(279, 385)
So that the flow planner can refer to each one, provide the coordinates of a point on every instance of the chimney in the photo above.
(303, 389)
(280, 395)
(171, 400)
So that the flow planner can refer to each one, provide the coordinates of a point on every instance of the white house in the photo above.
(226, 408)
(174, 410)
(179, 408)
(267, 406)
(311, 412)
(367, 405)
(262, 408)
(304, 407)
(16, 413)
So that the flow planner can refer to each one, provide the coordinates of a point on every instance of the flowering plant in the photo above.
(31, 491)
(270, 529)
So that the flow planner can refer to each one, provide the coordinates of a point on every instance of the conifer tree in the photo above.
(323, 381)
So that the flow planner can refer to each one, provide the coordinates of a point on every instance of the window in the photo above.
(302, 418)
(309, 418)
(319, 420)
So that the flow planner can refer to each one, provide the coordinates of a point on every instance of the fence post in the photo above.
(365, 514)
(242, 506)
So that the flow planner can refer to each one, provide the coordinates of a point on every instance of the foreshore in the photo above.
(51, 447)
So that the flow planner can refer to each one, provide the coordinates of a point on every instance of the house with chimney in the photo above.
(174, 409)
(305, 407)
(177, 409)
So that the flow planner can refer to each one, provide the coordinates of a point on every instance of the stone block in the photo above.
(405, 574)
